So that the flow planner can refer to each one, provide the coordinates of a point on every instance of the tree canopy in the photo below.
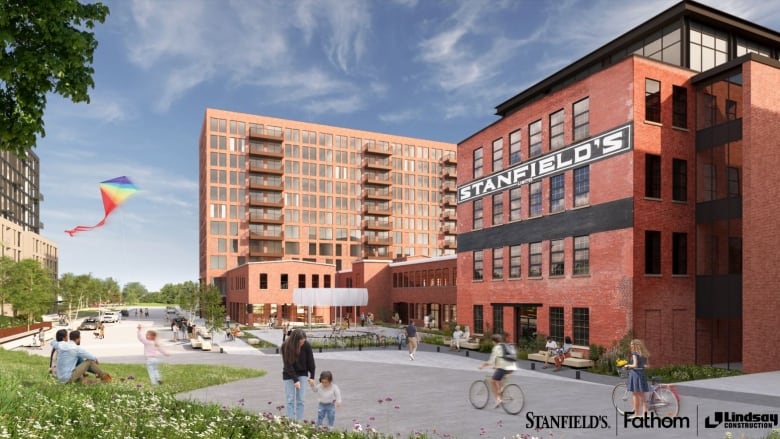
(45, 46)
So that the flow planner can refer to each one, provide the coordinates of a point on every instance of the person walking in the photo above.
(152, 352)
(298, 367)
(42, 337)
(411, 338)
(637, 380)
(329, 397)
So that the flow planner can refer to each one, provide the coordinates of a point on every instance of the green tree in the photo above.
(212, 309)
(6, 264)
(133, 292)
(45, 46)
(31, 290)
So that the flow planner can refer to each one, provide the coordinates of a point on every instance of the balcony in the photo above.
(377, 225)
(369, 239)
(376, 194)
(382, 163)
(376, 149)
(448, 243)
(449, 188)
(267, 185)
(263, 135)
(448, 214)
(265, 237)
(449, 173)
(449, 230)
(449, 201)
(373, 209)
(377, 179)
(266, 219)
(265, 253)
(266, 168)
(266, 202)
(266, 150)
(449, 159)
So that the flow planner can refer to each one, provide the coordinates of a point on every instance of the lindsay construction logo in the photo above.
(741, 420)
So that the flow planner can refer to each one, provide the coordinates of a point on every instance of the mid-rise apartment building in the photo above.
(275, 190)
(633, 192)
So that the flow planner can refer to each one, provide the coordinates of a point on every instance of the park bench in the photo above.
(576, 360)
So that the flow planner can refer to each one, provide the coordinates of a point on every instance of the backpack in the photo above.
(510, 353)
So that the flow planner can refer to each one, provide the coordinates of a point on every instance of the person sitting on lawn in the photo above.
(68, 355)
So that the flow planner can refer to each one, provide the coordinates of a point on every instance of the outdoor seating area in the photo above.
(577, 359)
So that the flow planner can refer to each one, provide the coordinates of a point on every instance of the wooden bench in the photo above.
(577, 359)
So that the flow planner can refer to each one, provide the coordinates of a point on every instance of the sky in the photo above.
(420, 68)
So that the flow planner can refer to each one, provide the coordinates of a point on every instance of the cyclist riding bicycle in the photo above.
(501, 365)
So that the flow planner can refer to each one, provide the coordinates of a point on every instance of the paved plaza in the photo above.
(383, 389)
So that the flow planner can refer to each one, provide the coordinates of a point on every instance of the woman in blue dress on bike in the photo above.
(637, 380)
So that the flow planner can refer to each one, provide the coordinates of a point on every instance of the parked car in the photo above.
(110, 317)
(89, 324)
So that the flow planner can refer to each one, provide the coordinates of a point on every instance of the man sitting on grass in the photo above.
(73, 362)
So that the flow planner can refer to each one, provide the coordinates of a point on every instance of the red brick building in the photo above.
(632, 191)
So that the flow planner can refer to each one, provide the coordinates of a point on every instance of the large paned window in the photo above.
(498, 319)
(735, 255)
(498, 208)
(556, 323)
(535, 199)
(515, 204)
(581, 186)
(733, 176)
(652, 176)
(581, 255)
(556, 257)
(535, 259)
(652, 252)
(581, 326)
(581, 119)
(679, 107)
(679, 253)
(479, 271)
(478, 163)
(679, 180)
(515, 261)
(708, 182)
(477, 213)
(515, 143)
(498, 263)
(556, 130)
(263, 281)
(556, 193)
(498, 155)
(535, 138)
(652, 100)
(708, 47)
(284, 282)
(479, 320)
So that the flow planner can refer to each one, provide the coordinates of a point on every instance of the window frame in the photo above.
(679, 180)
(581, 198)
(653, 179)
(478, 265)
(535, 259)
(679, 253)
(581, 120)
(581, 256)
(515, 146)
(557, 266)
(652, 100)
(535, 138)
(515, 261)
(653, 252)
(535, 208)
(679, 107)
(498, 154)
(515, 204)
(478, 162)
(557, 193)
(498, 208)
(556, 317)
(580, 322)
(498, 263)
(557, 129)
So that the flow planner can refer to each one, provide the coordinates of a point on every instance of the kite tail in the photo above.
(77, 229)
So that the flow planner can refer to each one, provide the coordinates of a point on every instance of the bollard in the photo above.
(533, 366)
(360, 347)
(577, 374)
(277, 350)
(320, 349)
(221, 351)
(399, 346)
(467, 353)
(438, 348)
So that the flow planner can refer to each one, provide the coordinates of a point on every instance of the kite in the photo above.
(114, 192)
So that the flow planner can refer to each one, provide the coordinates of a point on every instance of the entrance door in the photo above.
(525, 322)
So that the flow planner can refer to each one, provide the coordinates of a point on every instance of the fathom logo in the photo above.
(655, 421)
(741, 420)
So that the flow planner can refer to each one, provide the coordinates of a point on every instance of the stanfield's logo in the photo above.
(565, 421)
(741, 420)
(654, 421)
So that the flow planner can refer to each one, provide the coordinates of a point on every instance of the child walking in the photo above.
(152, 352)
(329, 397)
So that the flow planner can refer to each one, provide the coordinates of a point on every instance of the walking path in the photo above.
(383, 389)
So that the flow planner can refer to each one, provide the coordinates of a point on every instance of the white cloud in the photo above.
(399, 117)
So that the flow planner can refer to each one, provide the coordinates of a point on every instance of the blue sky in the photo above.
(420, 68)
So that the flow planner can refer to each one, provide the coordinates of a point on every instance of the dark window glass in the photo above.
(556, 130)
(733, 175)
(479, 320)
(498, 208)
(515, 204)
(263, 281)
(735, 255)
(556, 323)
(535, 259)
(556, 193)
(731, 109)
(581, 254)
(498, 263)
(515, 144)
(477, 214)
(515, 261)
(680, 107)
(498, 319)
(556, 257)
(652, 252)
(581, 186)
(652, 176)
(652, 100)
(679, 253)
(478, 266)
(581, 326)
(535, 202)
(581, 119)
(285, 284)
(679, 180)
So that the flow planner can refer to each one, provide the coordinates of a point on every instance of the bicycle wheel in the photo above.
(622, 399)
(664, 402)
(479, 394)
(512, 399)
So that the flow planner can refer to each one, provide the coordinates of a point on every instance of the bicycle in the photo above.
(661, 399)
(512, 398)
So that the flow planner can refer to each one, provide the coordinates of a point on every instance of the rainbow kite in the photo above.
(114, 192)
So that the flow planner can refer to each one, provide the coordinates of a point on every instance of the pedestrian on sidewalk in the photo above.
(298, 367)
(152, 351)
(411, 338)
(329, 397)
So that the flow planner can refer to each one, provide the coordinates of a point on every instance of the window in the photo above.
(535, 259)
(478, 163)
(733, 175)
(735, 255)
(285, 284)
(315, 280)
(581, 326)
(515, 260)
(679, 180)
(556, 257)
(556, 130)
(515, 203)
(679, 253)
(498, 319)
(263, 281)
(556, 193)
(652, 100)
(731, 109)
(652, 252)
(479, 320)
(498, 208)
(535, 139)
(326, 278)
(652, 176)
(498, 155)
(477, 214)
(581, 112)
(582, 186)
(301, 281)
(679, 107)
(478, 265)
(708, 48)
(514, 147)
(498, 263)
(535, 202)
(708, 182)
(556, 323)
(581, 255)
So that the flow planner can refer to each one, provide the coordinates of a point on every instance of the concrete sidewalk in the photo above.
(383, 389)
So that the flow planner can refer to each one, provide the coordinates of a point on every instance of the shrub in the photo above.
(596, 351)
